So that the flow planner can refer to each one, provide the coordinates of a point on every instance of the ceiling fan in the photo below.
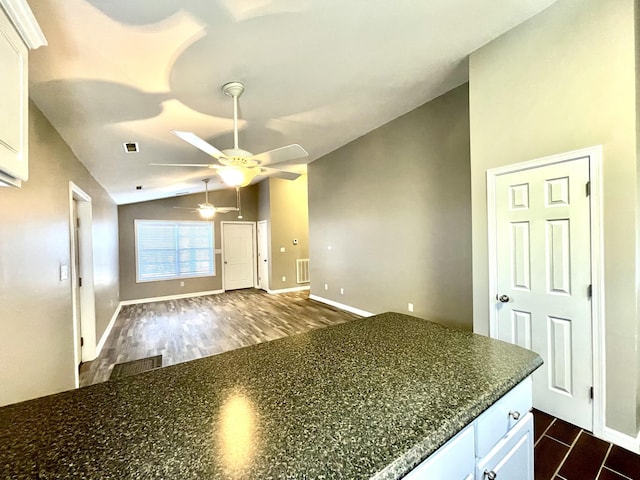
(208, 210)
(237, 167)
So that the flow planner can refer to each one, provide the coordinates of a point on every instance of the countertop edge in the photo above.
(421, 451)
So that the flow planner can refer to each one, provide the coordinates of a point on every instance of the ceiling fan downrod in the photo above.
(234, 90)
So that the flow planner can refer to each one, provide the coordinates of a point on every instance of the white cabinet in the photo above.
(503, 415)
(18, 32)
(455, 460)
(498, 445)
(512, 457)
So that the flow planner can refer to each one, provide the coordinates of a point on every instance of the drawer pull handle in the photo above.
(515, 415)
(490, 475)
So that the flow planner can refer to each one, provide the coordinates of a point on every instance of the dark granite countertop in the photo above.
(366, 399)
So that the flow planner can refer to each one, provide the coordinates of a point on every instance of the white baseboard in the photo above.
(107, 330)
(287, 290)
(342, 306)
(621, 439)
(170, 297)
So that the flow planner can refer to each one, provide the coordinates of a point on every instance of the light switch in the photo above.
(64, 272)
(281, 249)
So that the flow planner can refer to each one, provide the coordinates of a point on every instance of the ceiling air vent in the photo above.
(131, 147)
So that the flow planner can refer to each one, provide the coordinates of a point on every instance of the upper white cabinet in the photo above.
(19, 32)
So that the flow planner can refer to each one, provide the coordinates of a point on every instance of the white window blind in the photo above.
(171, 249)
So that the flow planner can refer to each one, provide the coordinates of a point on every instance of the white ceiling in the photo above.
(317, 72)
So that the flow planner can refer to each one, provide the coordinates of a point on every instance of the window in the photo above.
(169, 249)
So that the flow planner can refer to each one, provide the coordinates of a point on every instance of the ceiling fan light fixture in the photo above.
(207, 211)
(235, 176)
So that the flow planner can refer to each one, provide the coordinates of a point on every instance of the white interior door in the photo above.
(82, 281)
(263, 255)
(76, 283)
(543, 281)
(238, 255)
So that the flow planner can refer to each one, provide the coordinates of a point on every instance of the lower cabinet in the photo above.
(512, 457)
(498, 445)
(455, 460)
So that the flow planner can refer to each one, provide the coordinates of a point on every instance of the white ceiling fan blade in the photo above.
(199, 143)
(283, 174)
(282, 154)
(201, 165)
(226, 209)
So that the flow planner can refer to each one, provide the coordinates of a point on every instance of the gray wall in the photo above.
(565, 80)
(36, 330)
(163, 210)
(395, 208)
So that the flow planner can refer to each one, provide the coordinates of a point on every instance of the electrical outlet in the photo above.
(282, 250)
(410, 307)
(342, 291)
(284, 279)
(182, 284)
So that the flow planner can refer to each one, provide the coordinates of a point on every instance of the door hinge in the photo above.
(82, 341)
(78, 222)
(588, 188)
(589, 291)
(79, 281)
(591, 393)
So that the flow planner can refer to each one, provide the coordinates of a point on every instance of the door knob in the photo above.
(265, 260)
(503, 298)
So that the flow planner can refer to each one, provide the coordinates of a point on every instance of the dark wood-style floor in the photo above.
(187, 329)
(192, 328)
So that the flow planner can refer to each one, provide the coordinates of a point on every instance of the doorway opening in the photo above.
(82, 284)
(263, 255)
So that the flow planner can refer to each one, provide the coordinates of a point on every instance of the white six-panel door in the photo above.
(238, 255)
(543, 278)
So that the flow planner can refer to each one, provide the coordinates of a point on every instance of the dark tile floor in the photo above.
(566, 452)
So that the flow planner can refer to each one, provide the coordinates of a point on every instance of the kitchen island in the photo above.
(371, 398)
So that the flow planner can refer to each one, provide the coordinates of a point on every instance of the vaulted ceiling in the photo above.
(317, 72)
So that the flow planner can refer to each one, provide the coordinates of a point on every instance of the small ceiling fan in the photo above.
(208, 210)
(237, 167)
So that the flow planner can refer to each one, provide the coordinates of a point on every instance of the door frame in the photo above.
(253, 250)
(594, 154)
(263, 225)
(85, 319)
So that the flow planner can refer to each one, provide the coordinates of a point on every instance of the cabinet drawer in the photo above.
(455, 460)
(496, 422)
(512, 457)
